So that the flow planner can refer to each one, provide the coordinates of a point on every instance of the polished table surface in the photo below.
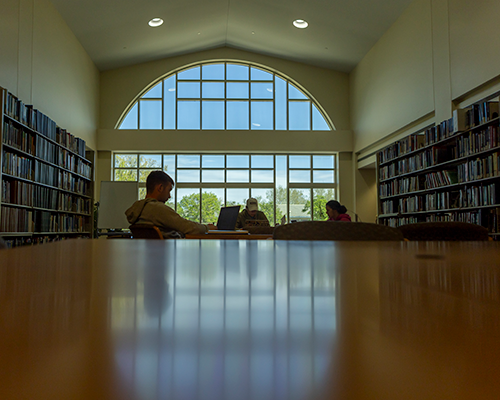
(215, 319)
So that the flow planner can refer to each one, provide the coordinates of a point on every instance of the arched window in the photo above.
(225, 96)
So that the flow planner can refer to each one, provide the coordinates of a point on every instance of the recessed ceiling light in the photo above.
(300, 23)
(155, 22)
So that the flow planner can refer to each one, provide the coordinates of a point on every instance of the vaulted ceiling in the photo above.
(116, 33)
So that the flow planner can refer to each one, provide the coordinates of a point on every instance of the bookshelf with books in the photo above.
(447, 172)
(46, 178)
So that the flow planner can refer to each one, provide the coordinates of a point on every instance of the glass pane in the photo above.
(263, 176)
(295, 94)
(154, 93)
(188, 115)
(211, 202)
(262, 161)
(300, 204)
(169, 165)
(130, 120)
(150, 161)
(319, 122)
(257, 74)
(320, 198)
(323, 176)
(299, 176)
(237, 115)
(188, 175)
(150, 114)
(237, 197)
(237, 72)
(265, 197)
(169, 103)
(188, 161)
(142, 193)
(213, 71)
(212, 115)
(211, 161)
(125, 160)
(125, 175)
(188, 90)
(213, 90)
(238, 161)
(323, 162)
(261, 90)
(300, 162)
(192, 73)
(238, 175)
(188, 204)
(280, 103)
(262, 115)
(143, 174)
(299, 117)
(237, 90)
(212, 175)
(281, 185)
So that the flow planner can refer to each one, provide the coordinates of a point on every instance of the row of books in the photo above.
(27, 194)
(18, 138)
(19, 166)
(474, 196)
(401, 147)
(461, 120)
(23, 220)
(428, 158)
(478, 217)
(480, 168)
(39, 122)
(401, 186)
(32, 240)
(442, 131)
(476, 142)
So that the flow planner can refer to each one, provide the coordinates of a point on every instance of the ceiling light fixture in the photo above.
(300, 23)
(155, 22)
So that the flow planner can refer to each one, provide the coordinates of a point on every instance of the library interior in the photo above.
(389, 108)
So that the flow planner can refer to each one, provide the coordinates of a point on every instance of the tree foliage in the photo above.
(189, 207)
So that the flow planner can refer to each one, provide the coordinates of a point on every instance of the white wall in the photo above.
(43, 64)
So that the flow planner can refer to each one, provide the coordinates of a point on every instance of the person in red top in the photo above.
(337, 212)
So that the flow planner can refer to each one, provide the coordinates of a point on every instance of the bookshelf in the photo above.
(46, 178)
(447, 172)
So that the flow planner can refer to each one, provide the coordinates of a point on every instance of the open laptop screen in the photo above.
(227, 218)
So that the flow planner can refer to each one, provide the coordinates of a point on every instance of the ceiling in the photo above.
(115, 33)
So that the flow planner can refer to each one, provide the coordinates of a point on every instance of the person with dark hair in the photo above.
(153, 210)
(337, 212)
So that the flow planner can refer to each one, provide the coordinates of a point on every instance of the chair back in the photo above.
(145, 231)
(328, 230)
(454, 231)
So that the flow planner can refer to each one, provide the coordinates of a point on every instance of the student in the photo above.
(251, 213)
(153, 210)
(337, 212)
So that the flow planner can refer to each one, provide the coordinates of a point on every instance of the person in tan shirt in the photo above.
(153, 210)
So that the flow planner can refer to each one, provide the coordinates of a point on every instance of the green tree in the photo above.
(320, 198)
(189, 207)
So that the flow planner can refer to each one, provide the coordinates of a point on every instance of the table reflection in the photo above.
(225, 320)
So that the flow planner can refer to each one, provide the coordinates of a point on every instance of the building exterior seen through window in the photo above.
(225, 96)
(295, 186)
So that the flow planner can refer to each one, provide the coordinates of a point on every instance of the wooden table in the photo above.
(227, 319)
(236, 236)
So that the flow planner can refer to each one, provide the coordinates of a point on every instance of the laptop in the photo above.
(227, 221)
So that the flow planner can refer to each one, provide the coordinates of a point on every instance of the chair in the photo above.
(444, 231)
(145, 231)
(259, 230)
(327, 230)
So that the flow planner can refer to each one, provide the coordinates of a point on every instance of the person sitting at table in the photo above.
(153, 210)
(251, 213)
(337, 212)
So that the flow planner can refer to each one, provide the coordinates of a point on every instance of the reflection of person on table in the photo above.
(337, 212)
(250, 213)
(153, 210)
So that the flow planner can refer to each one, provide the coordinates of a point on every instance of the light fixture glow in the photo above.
(300, 23)
(155, 22)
